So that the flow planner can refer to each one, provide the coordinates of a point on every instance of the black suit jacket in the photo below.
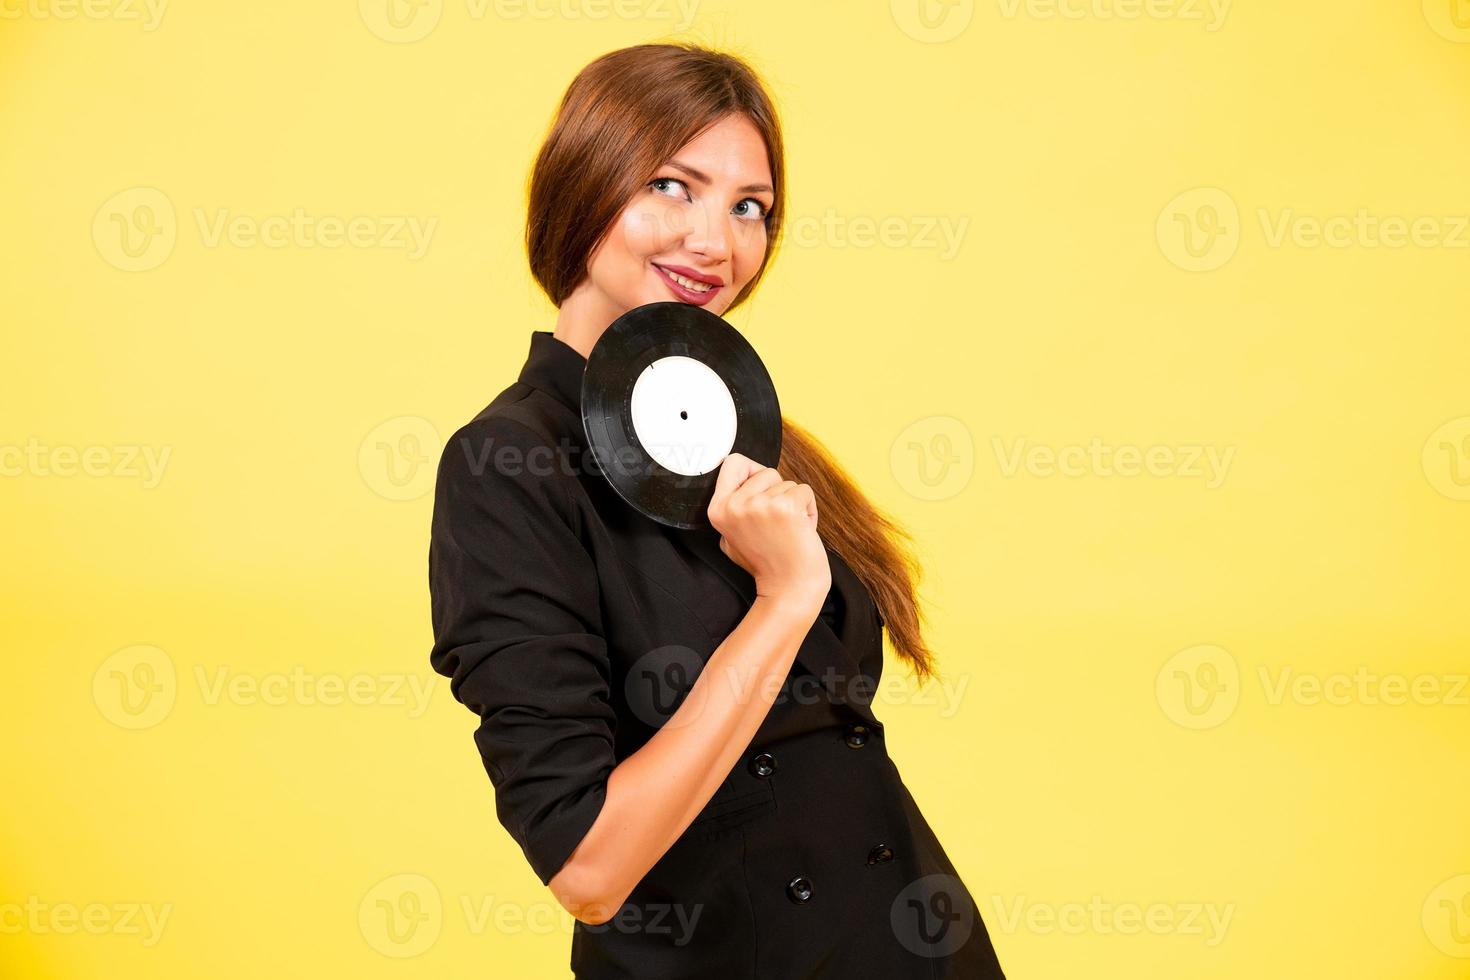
(572, 625)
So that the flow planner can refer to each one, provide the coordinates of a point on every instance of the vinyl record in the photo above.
(669, 391)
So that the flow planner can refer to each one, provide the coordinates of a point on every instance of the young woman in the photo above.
(678, 724)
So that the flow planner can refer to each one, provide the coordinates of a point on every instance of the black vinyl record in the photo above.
(670, 389)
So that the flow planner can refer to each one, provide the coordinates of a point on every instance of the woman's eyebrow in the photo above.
(703, 179)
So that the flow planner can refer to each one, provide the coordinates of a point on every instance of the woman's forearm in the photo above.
(655, 793)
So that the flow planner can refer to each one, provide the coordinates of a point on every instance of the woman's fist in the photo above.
(768, 526)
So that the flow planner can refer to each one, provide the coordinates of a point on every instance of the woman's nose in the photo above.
(709, 233)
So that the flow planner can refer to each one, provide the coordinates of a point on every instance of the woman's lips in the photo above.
(685, 294)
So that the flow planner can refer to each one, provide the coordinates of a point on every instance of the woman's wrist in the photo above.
(795, 607)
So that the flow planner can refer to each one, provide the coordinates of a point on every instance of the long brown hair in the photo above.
(623, 117)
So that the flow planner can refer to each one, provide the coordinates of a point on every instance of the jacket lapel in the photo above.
(822, 652)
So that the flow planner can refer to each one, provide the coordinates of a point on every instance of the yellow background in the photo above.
(1114, 736)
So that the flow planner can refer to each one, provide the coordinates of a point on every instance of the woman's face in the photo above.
(695, 233)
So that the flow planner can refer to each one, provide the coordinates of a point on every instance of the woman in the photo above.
(678, 724)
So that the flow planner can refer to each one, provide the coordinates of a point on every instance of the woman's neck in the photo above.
(583, 317)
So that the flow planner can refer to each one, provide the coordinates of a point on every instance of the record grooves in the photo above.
(669, 390)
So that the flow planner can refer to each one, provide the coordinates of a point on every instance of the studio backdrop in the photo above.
(1146, 318)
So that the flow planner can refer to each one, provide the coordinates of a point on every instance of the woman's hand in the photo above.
(768, 526)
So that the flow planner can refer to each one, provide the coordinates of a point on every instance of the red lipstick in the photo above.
(684, 293)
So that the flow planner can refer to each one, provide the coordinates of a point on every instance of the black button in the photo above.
(881, 854)
(763, 765)
(856, 735)
(799, 890)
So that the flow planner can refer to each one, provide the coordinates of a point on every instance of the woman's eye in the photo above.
(661, 184)
(754, 205)
(674, 187)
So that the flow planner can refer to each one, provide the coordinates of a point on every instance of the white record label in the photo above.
(683, 415)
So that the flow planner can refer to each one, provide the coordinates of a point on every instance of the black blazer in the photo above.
(572, 625)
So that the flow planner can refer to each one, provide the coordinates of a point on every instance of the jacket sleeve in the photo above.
(517, 629)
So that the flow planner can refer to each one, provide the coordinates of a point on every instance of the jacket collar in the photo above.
(555, 367)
